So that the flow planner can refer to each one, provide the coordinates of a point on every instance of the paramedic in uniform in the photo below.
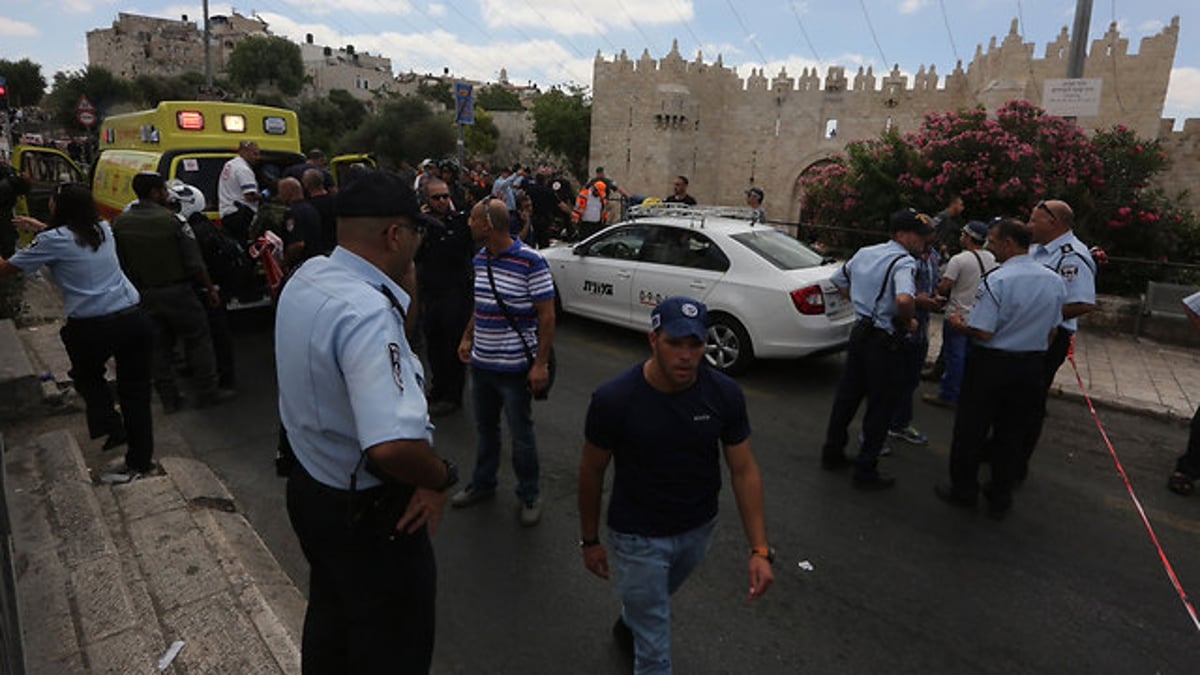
(1056, 247)
(367, 490)
(237, 192)
(881, 282)
(1017, 307)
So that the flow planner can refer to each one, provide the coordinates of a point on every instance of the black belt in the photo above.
(1007, 354)
(107, 317)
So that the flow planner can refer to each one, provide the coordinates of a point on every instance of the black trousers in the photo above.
(875, 370)
(222, 343)
(370, 595)
(443, 319)
(177, 313)
(1000, 395)
(1056, 353)
(128, 337)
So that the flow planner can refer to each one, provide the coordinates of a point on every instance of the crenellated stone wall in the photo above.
(654, 119)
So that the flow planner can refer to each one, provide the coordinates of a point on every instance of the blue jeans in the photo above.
(649, 570)
(954, 347)
(492, 391)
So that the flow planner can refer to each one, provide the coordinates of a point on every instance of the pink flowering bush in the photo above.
(1003, 166)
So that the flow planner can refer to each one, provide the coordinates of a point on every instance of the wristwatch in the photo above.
(764, 552)
(451, 476)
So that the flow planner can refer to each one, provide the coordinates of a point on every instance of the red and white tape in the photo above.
(1162, 554)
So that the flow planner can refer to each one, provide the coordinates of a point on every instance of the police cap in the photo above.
(377, 194)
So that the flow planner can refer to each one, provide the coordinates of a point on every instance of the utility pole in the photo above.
(1079, 39)
(208, 82)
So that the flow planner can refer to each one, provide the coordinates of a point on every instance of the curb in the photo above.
(110, 576)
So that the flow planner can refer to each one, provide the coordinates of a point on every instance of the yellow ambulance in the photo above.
(190, 141)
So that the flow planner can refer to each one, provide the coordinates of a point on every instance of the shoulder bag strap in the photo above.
(504, 308)
(979, 259)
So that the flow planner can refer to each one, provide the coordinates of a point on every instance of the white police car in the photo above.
(768, 295)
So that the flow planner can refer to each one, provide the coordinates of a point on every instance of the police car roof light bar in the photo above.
(700, 212)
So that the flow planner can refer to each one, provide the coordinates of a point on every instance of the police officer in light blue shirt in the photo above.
(1056, 246)
(366, 491)
(1017, 310)
(880, 282)
(104, 321)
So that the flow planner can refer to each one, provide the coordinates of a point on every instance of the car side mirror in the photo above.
(579, 249)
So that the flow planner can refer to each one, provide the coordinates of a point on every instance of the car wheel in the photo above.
(728, 346)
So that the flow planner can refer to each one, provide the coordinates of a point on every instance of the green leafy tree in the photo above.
(266, 61)
(155, 88)
(562, 122)
(325, 121)
(497, 98)
(405, 128)
(483, 136)
(103, 89)
(352, 110)
(26, 85)
(437, 92)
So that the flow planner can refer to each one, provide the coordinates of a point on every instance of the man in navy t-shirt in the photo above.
(666, 421)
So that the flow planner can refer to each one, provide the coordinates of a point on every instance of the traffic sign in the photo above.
(85, 112)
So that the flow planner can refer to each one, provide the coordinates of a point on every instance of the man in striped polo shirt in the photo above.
(507, 343)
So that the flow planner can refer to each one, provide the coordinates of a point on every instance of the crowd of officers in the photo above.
(1018, 328)
(387, 266)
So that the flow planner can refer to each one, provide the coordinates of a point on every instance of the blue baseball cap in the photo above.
(680, 317)
(976, 230)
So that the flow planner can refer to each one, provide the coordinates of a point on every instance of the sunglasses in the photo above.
(439, 197)
(1042, 205)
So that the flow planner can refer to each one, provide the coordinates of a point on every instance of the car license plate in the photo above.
(836, 306)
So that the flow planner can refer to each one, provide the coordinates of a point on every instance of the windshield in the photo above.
(779, 249)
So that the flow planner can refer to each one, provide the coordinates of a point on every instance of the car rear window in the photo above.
(779, 249)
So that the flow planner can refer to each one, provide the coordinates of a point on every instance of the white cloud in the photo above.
(543, 61)
(1183, 95)
(346, 7)
(585, 17)
(912, 6)
(436, 10)
(17, 29)
(1151, 26)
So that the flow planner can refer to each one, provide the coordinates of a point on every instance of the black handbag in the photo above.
(553, 362)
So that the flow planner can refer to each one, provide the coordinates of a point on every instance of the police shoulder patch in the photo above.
(394, 355)
(1070, 272)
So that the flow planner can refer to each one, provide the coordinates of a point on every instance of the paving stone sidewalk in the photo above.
(1123, 373)
(109, 577)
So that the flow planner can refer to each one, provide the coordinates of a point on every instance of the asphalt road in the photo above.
(900, 582)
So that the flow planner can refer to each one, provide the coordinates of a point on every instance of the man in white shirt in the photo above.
(237, 191)
(960, 282)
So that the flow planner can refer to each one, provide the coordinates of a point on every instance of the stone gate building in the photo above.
(654, 119)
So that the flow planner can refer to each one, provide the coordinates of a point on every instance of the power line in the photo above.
(749, 37)
(796, 13)
(871, 28)
(687, 25)
(646, 38)
(949, 33)
(547, 22)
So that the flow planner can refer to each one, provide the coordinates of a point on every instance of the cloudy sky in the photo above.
(555, 41)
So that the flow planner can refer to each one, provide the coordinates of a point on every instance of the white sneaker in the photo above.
(531, 513)
(124, 474)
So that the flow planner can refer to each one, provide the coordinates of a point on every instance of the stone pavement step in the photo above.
(20, 388)
(109, 576)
